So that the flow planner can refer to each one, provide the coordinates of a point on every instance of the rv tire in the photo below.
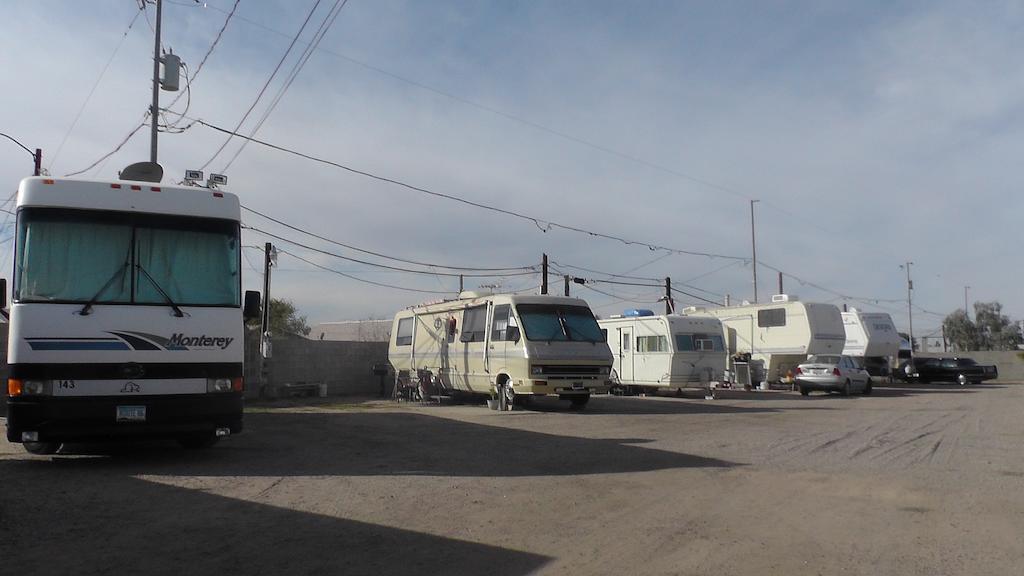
(42, 448)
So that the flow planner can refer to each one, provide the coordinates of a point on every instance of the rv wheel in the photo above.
(42, 448)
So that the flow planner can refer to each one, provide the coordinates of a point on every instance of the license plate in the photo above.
(131, 413)
(577, 385)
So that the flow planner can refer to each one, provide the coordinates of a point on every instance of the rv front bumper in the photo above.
(562, 387)
(95, 418)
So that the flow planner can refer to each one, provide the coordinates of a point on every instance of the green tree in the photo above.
(995, 331)
(285, 319)
(960, 331)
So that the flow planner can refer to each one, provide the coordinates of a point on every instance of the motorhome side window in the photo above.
(403, 337)
(474, 324)
(771, 317)
(503, 326)
(651, 344)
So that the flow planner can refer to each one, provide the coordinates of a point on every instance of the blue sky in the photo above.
(872, 134)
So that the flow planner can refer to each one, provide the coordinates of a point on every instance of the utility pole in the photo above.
(265, 322)
(567, 285)
(38, 156)
(966, 311)
(544, 275)
(669, 305)
(910, 307)
(461, 283)
(154, 111)
(753, 246)
(780, 284)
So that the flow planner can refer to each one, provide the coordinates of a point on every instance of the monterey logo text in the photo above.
(203, 341)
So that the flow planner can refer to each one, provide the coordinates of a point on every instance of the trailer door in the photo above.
(626, 355)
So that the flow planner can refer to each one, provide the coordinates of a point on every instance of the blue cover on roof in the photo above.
(637, 312)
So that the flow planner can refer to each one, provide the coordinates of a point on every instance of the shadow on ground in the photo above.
(374, 444)
(639, 405)
(59, 524)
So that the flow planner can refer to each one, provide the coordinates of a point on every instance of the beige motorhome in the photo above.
(514, 346)
(780, 335)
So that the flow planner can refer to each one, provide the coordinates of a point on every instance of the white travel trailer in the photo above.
(126, 315)
(871, 336)
(780, 335)
(666, 351)
(514, 346)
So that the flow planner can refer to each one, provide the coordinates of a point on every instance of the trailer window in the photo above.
(651, 344)
(403, 336)
(474, 324)
(771, 317)
(684, 342)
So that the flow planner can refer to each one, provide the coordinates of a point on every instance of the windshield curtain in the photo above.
(553, 322)
(77, 256)
(822, 359)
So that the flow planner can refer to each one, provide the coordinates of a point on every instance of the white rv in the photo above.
(126, 316)
(872, 337)
(780, 335)
(664, 352)
(512, 346)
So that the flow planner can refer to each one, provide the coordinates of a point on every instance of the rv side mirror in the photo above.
(513, 334)
(3, 292)
(251, 310)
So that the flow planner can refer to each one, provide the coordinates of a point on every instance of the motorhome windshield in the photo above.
(553, 322)
(81, 256)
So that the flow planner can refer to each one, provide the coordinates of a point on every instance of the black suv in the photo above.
(959, 370)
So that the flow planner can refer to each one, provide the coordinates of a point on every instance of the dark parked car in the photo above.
(959, 370)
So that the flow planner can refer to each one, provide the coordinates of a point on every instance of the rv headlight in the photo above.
(35, 387)
(218, 385)
(536, 370)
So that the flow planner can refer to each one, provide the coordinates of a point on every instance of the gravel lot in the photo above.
(912, 480)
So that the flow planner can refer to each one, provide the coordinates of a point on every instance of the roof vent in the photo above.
(784, 298)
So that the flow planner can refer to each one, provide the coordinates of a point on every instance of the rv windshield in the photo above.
(80, 256)
(554, 322)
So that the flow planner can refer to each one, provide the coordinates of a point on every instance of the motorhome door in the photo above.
(626, 354)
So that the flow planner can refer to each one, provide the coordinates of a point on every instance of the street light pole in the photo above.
(753, 247)
(966, 312)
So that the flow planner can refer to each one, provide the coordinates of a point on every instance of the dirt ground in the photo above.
(912, 480)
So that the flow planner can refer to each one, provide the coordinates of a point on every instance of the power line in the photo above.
(115, 150)
(325, 25)
(385, 266)
(95, 85)
(543, 225)
(378, 254)
(357, 279)
(266, 85)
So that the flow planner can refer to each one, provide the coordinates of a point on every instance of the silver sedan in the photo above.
(832, 373)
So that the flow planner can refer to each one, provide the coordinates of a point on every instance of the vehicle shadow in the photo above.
(118, 524)
(622, 405)
(377, 444)
(917, 388)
